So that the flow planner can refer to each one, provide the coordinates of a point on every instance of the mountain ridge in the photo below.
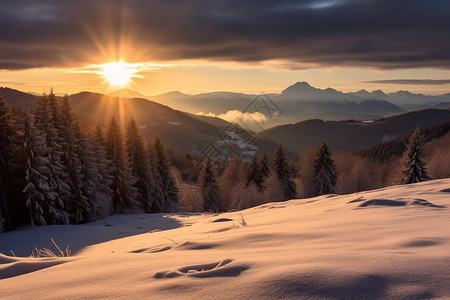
(182, 132)
(353, 135)
(185, 132)
(301, 101)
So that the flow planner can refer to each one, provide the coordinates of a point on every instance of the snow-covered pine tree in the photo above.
(164, 176)
(210, 189)
(139, 165)
(6, 156)
(101, 172)
(325, 175)
(65, 192)
(80, 205)
(155, 181)
(55, 117)
(413, 160)
(37, 191)
(285, 172)
(92, 186)
(100, 137)
(123, 191)
(45, 121)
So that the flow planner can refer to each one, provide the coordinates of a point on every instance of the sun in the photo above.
(119, 73)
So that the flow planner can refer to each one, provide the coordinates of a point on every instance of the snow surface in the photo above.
(391, 243)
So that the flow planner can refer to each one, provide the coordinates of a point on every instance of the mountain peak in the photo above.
(361, 93)
(173, 94)
(401, 94)
(380, 92)
(299, 87)
(126, 93)
(305, 92)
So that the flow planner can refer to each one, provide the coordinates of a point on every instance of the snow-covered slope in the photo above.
(391, 243)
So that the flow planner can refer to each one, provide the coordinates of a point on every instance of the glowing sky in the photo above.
(248, 46)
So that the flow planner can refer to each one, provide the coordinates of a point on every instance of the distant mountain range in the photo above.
(182, 132)
(302, 102)
(186, 132)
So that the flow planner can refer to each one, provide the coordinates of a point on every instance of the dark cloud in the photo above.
(411, 81)
(383, 34)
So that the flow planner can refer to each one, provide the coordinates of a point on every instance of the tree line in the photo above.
(55, 169)
(237, 184)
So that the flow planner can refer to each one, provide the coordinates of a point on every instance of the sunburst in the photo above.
(119, 73)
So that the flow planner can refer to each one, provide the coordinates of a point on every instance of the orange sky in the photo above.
(198, 77)
(249, 46)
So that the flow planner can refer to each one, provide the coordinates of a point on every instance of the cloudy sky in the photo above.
(205, 45)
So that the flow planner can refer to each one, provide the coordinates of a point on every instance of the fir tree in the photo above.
(253, 171)
(414, 165)
(209, 187)
(99, 136)
(37, 191)
(264, 163)
(139, 165)
(69, 137)
(255, 174)
(165, 178)
(95, 189)
(123, 192)
(96, 157)
(285, 172)
(54, 112)
(16, 212)
(325, 177)
(156, 190)
(46, 119)
(6, 157)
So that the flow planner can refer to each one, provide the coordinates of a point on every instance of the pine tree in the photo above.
(414, 165)
(95, 189)
(155, 182)
(99, 136)
(285, 172)
(79, 204)
(6, 157)
(253, 171)
(209, 187)
(164, 177)
(264, 163)
(255, 174)
(96, 158)
(37, 192)
(124, 193)
(325, 176)
(55, 117)
(46, 120)
(139, 165)
(258, 171)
